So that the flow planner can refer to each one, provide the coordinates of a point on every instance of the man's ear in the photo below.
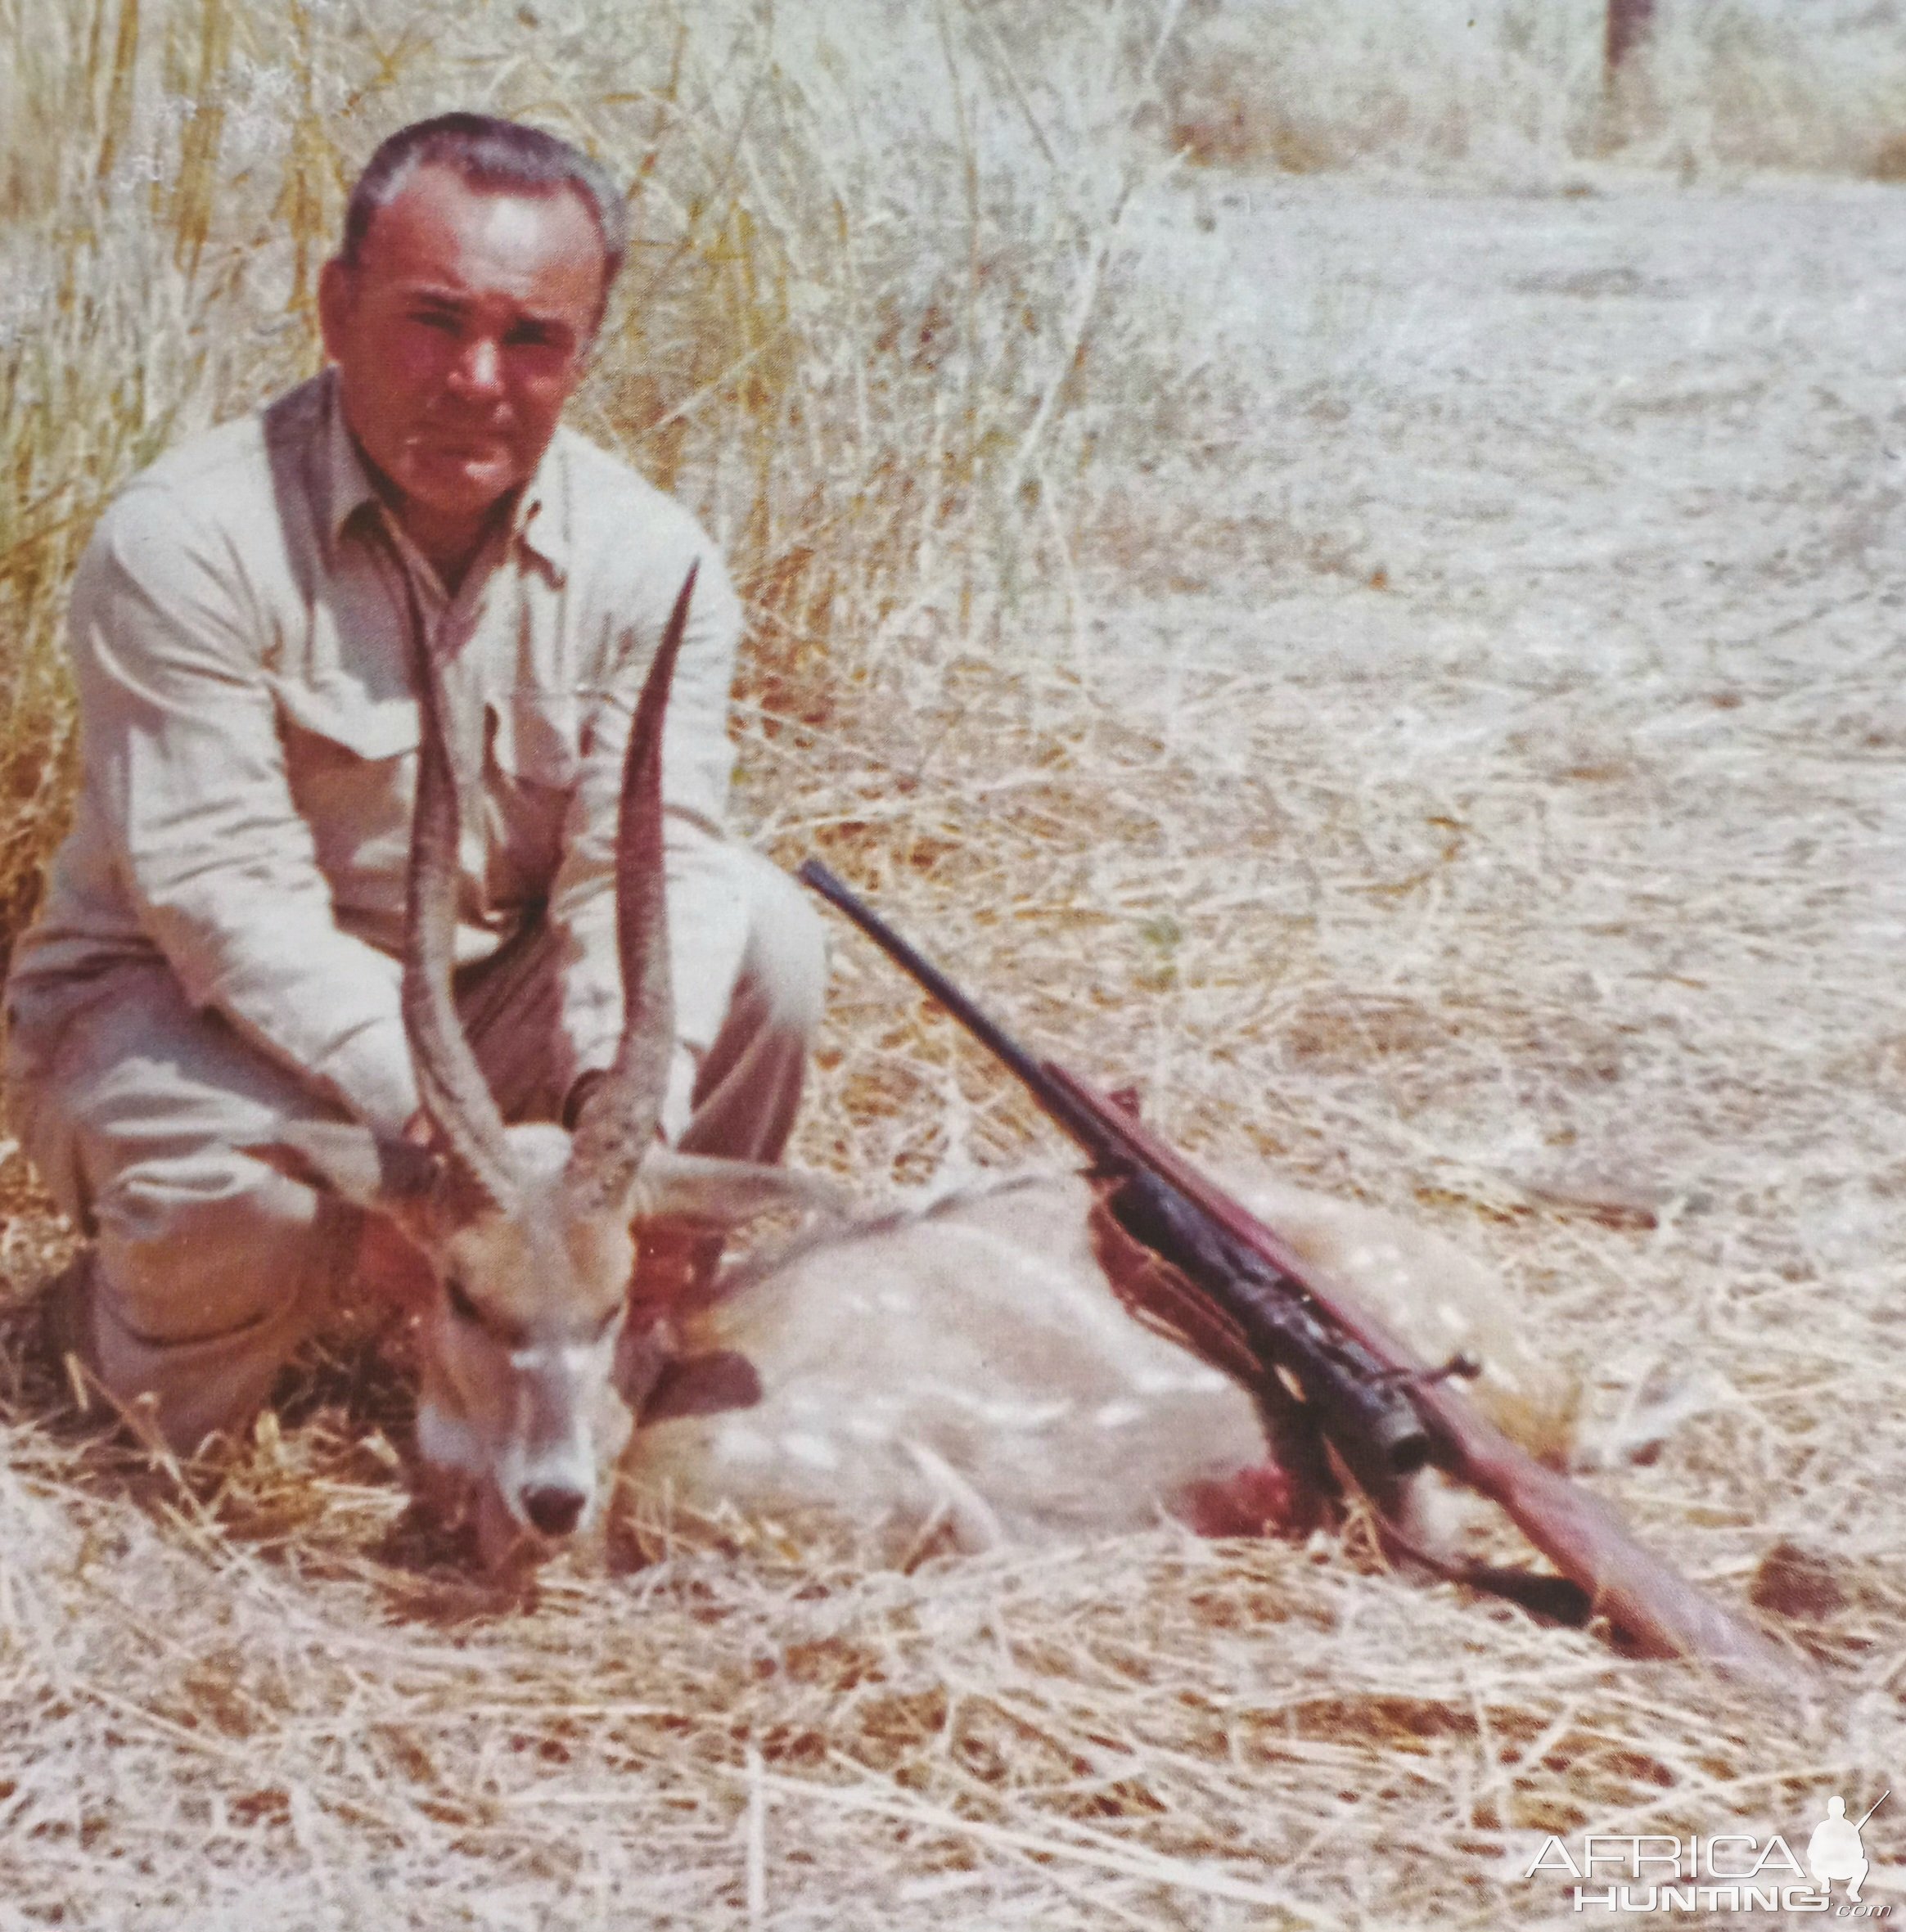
(342, 1158)
(336, 292)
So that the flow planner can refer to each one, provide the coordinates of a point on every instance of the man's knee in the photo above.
(200, 1287)
(206, 1243)
(785, 969)
(208, 1268)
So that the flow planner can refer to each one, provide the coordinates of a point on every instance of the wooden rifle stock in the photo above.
(1659, 1611)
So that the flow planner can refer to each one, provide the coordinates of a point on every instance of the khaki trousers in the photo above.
(209, 1268)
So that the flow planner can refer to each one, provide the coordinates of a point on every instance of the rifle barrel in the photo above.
(988, 1032)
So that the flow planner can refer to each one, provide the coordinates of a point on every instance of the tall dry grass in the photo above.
(871, 329)
(871, 326)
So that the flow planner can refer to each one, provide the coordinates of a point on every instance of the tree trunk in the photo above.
(1629, 21)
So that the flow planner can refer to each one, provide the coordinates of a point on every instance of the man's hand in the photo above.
(390, 1270)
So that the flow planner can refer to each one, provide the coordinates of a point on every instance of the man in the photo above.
(218, 954)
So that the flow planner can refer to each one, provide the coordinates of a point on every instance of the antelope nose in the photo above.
(553, 1508)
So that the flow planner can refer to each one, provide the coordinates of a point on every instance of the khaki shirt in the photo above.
(249, 732)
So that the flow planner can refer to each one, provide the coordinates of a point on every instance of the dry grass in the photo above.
(1405, 678)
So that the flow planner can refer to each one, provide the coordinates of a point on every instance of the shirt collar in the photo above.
(542, 518)
(342, 477)
(539, 522)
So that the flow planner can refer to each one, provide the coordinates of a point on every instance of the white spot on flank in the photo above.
(1118, 1415)
(1164, 1382)
(739, 1442)
(1000, 1412)
(815, 1451)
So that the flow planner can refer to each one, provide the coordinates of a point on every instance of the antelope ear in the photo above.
(672, 1186)
(701, 1385)
(343, 1158)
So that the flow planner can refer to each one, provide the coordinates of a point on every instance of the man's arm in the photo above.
(185, 764)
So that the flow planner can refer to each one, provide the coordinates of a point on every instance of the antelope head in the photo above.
(527, 1226)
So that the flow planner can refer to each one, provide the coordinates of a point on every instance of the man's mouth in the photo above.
(462, 446)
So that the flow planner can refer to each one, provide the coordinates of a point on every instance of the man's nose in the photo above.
(478, 371)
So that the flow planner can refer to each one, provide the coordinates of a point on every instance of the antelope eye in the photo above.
(461, 1305)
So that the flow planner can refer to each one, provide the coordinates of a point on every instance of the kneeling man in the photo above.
(218, 953)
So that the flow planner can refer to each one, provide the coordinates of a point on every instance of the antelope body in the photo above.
(962, 1374)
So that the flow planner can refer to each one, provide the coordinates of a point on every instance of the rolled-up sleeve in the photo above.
(185, 766)
(707, 921)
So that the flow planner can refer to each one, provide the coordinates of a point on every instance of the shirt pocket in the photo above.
(339, 715)
(350, 760)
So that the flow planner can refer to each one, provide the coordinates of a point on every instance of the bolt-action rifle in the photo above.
(1231, 1288)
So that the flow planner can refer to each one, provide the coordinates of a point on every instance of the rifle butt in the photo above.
(1658, 1610)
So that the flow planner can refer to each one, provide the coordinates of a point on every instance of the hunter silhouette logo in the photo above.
(1834, 1851)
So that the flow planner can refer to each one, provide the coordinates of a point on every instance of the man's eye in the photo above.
(461, 1305)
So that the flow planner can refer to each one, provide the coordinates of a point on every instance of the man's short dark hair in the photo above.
(499, 156)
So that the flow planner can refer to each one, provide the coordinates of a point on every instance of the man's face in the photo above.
(459, 333)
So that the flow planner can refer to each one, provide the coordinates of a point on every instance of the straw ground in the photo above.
(1403, 672)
